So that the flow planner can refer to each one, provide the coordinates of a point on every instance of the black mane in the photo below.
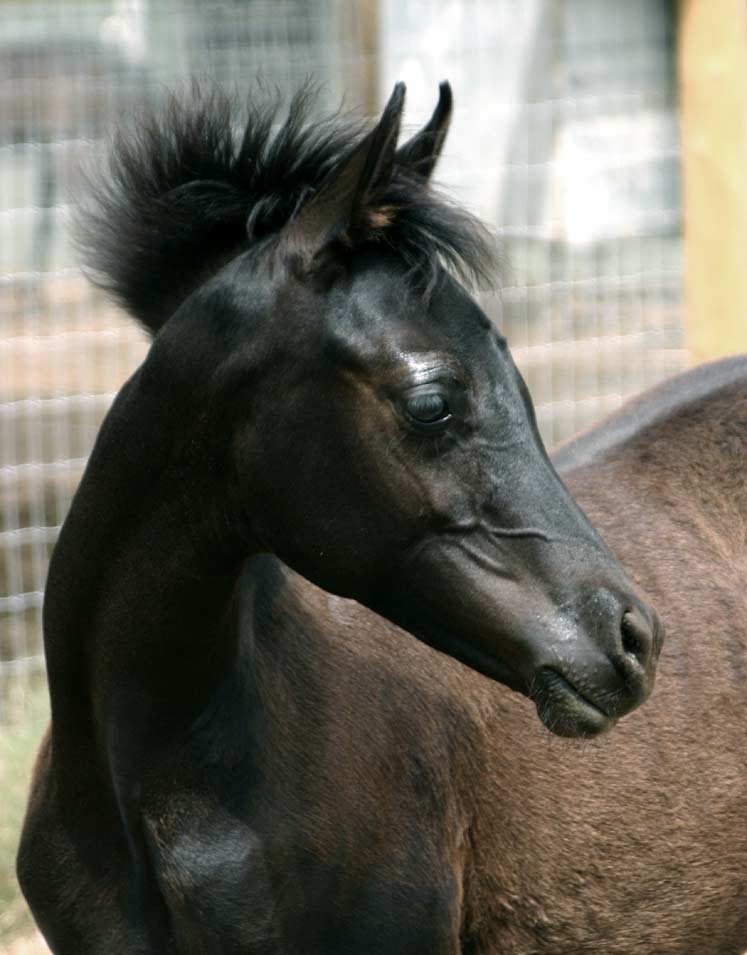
(195, 181)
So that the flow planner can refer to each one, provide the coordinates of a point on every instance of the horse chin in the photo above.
(565, 710)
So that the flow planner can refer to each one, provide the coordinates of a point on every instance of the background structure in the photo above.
(565, 140)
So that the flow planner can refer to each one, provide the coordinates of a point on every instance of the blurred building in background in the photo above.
(565, 140)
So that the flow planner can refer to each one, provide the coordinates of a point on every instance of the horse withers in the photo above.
(321, 388)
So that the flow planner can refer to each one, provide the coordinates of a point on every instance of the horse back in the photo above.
(700, 390)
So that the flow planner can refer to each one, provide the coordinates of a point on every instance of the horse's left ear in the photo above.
(340, 210)
(421, 153)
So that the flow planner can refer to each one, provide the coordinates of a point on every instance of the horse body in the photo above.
(240, 762)
(636, 843)
(348, 789)
(415, 772)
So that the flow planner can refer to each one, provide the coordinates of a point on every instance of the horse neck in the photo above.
(141, 583)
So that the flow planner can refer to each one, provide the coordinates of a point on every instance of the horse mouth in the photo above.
(565, 710)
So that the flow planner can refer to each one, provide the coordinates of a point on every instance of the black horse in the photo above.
(320, 388)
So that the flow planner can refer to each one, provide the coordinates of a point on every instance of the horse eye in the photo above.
(428, 407)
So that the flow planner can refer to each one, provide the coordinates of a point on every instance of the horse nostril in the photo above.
(630, 642)
(636, 637)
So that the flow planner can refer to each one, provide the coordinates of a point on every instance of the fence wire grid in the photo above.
(564, 140)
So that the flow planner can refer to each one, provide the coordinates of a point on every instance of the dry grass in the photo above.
(27, 945)
(27, 714)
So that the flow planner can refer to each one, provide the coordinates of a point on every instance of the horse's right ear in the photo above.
(421, 153)
(341, 209)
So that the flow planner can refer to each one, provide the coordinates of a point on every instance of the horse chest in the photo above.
(230, 888)
(212, 875)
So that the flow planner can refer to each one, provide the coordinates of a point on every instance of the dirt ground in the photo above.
(28, 945)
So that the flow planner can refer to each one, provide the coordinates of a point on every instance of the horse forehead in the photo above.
(385, 309)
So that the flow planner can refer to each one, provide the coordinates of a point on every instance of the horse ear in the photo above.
(421, 153)
(338, 210)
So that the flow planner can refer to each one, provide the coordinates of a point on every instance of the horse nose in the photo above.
(628, 637)
(637, 640)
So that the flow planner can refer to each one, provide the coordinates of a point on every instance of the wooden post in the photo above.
(369, 25)
(712, 58)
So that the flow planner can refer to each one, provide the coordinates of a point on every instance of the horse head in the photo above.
(372, 427)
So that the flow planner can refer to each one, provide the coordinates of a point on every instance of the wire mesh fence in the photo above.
(564, 140)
